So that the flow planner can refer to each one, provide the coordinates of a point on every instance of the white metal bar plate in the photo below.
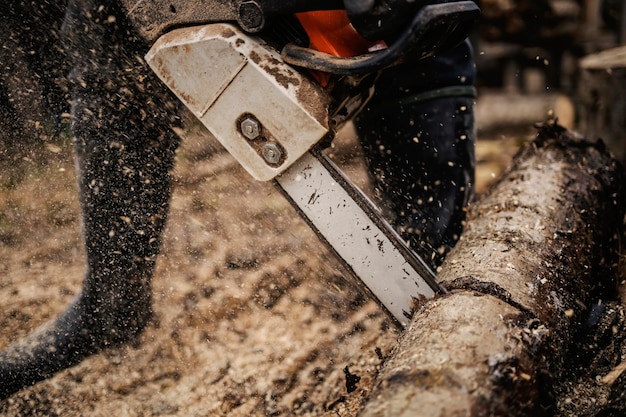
(373, 251)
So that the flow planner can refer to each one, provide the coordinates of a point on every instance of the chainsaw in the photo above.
(274, 80)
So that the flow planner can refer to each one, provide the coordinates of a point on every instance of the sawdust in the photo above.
(254, 316)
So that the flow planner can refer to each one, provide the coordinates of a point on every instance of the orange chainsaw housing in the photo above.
(330, 31)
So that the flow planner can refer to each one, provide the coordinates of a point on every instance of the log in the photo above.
(535, 253)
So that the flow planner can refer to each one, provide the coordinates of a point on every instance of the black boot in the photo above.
(124, 150)
(421, 157)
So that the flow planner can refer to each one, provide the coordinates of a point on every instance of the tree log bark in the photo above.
(536, 252)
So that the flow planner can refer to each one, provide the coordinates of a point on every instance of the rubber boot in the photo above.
(419, 145)
(124, 151)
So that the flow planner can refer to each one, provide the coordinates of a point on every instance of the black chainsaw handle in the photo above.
(373, 19)
(436, 27)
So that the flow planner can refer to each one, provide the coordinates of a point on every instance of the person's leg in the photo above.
(418, 136)
(124, 151)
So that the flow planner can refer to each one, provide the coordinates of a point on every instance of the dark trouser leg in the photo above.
(418, 136)
(124, 152)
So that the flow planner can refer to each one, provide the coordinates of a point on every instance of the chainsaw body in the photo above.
(271, 103)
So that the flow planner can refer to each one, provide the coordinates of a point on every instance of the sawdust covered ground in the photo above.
(254, 316)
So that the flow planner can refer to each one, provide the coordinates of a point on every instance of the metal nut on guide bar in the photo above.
(250, 128)
(272, 153)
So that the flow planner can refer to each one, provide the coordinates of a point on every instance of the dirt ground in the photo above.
(254, 316)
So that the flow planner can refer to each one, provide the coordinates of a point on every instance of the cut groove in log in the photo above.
(535, 253)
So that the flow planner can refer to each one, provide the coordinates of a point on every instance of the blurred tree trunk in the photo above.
(603, 99)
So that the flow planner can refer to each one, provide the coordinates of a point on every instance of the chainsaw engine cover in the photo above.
(264, 112)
